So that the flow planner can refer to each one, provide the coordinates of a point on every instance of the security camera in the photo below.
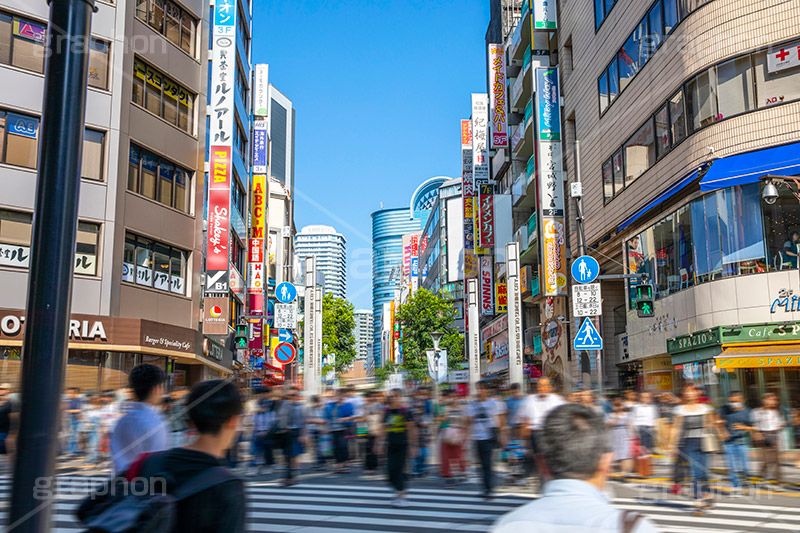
(770, 193)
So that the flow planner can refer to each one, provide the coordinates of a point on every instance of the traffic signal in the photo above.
(240, 340)
(644, 301)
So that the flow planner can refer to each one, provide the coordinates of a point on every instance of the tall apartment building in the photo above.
(388, 227)
(138, 267)
(329, 249)
(281, 126)
(363, 333)
(686, 113)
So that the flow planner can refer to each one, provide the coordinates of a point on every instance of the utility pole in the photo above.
(55, 224)
(310, 369)
(474, 349)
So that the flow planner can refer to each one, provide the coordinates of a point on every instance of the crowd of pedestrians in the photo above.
(499, 436)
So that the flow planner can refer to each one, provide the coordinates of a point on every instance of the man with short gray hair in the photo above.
(576, 446)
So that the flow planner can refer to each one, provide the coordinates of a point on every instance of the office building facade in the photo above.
(137, 275)
(363, 334)
(329, 250)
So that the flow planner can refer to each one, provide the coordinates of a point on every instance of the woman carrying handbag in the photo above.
(694, 427)
(768, 423)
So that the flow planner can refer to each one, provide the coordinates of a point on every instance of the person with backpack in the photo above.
(340, 415)
(143, 428)
(484, 424)
(576, 445)
(190, 489)
(291, 418)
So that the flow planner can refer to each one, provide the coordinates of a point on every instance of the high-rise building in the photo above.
(686, 114)
(329, 249)
(136, 289)
(281, 128)
(388, 228)
(363, 333)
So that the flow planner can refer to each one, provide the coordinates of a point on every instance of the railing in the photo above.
(532, 226)
(528, 111)
(531, 166)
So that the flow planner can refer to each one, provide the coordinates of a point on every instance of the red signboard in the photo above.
(486, 215)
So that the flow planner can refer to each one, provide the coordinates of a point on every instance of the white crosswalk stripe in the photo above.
(322, 506)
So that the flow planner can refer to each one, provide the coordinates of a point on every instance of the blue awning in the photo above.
(672, 190)
(741, 169)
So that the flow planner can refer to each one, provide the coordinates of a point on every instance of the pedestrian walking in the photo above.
(398, 429)
(340, 415)
(532, 415)
(644, 417)
(143, 428)
(422, 411)
(619, 424)
(291, 424)
(694, 426)
(264, 431)
(93, 429)
(514, 401)
(734, 426)
(768, 423)
(316, 430)
(483, 415)
(453, 435)
(8, 409)
(576, 445)
(373, 414)
(74, 412)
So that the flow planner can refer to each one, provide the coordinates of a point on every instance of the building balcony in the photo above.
(520, 90)
(521, 38)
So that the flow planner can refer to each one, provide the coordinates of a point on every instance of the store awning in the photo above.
(774, 356)
(661, 198)
(741, 169)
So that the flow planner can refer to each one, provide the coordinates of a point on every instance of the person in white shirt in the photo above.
(768, 423)
(644, 416)
(532, 414)
(143, 428)
(483, 416)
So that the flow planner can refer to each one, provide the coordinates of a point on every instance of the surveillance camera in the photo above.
(770, 193)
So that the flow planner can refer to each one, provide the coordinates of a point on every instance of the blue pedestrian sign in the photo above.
(588, 338)
(285, 293)
(285, 335)
(585, 269)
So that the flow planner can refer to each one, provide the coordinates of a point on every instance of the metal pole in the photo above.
(474, 351)
(55, 223)
(310, 381)
(579, 201)
(436, 355)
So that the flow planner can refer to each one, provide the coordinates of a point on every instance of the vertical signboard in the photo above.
(502, 297)
(544, 15)
(260, 140)
(480, 119)
(255, 245)
(220, 142)
(476, 212)
(548, 141)
(311, 371)
(497, 96)
(486, 215)
(473, 334)
(468, 193)
(554, 257)
(261, 90)
(487, 288)
(219, 221)
(515, 342)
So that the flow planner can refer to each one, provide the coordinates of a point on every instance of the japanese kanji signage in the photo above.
(497, 96)
(468, 193)
(502, 297)
(486, 215)
(548, 148)
(219, 222)
(480, 119)
(487, 287)
(260, 90)
(470, 259)
(544, 14)
(255, 247)
(260, 146)
(468, 184)
(477, 225)
(554, 254)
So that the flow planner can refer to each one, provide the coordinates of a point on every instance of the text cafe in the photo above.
(103, 350)
(753, 359)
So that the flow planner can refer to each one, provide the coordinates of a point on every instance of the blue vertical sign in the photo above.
(548, 104)
(260, 147)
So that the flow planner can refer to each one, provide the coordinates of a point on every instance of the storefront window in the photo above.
(677, 118)
(115, 370)
(701, 100)
(777, 86)
(782, 225)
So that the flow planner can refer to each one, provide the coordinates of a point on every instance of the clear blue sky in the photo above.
(378, 88)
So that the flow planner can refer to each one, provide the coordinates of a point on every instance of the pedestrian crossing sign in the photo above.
(588, 338)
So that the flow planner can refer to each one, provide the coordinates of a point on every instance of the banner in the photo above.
(497, 96)
(255, 248)
(486, 215)
(487, 287)
(215, 315)
(502, 297)
(218, 234)
(479, 250)
(544, 15)
(437, 369)
(480, 119)
(554, 254)
(468, 193)
(467, 182)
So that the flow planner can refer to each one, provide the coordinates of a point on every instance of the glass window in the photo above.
(173, 23)
(157, 15)
(141, 10)
(677, 118)
(129, 259)
(178, 272)
(181, 198)
(15, 229)
(655, 20)
(782, 228)
(188, 29)
(683, 235)
(153, 91)
(170, 102)
(626, 62)
(149, 168)
(689, 6)
(735, 87)
(640, 257)
(27, 45)
(161, 262)
(186, 114)
(701, 100)
(599, 15)
(144, 262)
(609, 5)
(602, 87)
(666, 277)
(86, 250)
(619, 172)
(613, 81)
(22, 140)
(777, 86)
(166, 174)
(139, 73)
(741, 233)
(6, 24)
(640, 152)
(705, 229)
(670, 15)
(608, 181)
(133, 168)
(163, 97)
(98, 64)
(93, 152)
(662, 132)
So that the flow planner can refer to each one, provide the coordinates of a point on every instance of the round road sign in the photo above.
(285, 353)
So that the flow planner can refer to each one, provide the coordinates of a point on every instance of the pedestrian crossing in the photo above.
(323, 505)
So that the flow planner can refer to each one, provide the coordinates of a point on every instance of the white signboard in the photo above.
(586, 300)
(544, 14)
(260, 92)
(480, 127)
(783, 58)
(458, 376)
(437, 369)
(285, 316)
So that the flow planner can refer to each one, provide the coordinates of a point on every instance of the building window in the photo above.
(735, 87)
(240, 142)
(238, 198)
(238, 255)
(22, 45)
(603, 91)
(677, 118)
(153, 264)
(162, 96)
(640, 152)
(170, 20)
(662, 131)
(158, 179)
(701, 100)
(15, 242)
(93, 154)
(20, 139)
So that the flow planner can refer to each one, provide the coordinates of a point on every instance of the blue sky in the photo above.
(378, 88)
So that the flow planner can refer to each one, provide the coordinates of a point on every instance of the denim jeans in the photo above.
(420, 461)
(698, 466)
(75, 434)
(92, 444)
(736, 455)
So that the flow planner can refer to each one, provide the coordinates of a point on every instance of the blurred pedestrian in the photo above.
(619, 423)
(93, 429)
(316, 430)
(483, 419)
(532, 414)
(693, 425)
(734, 426)
(453, 436)
(398, 431)
(340, 415)
(644, 416)
(74, 412)
(291, 425)
(373, 414)
(514, 402)
(768, 423)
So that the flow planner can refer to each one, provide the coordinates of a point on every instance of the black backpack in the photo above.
(132, 504)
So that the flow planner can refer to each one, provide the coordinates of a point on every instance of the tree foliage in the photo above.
(422, 313)
(338, 323)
